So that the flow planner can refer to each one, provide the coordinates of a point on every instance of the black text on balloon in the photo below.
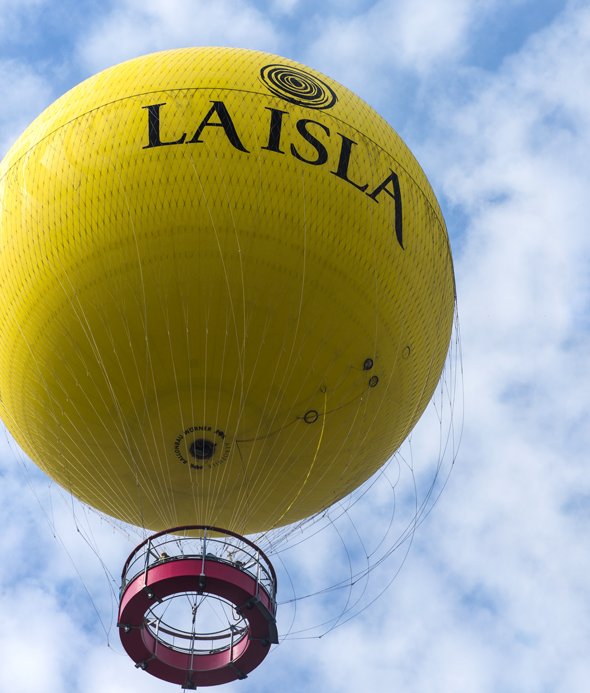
(309, 148)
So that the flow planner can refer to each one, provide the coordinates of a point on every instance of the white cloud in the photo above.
(494, 596)
(513, 159)
(286, 7)
(24, 94)
(36, 650)
(14, 14)
(135, 27)
(367, 50)
(512, 156)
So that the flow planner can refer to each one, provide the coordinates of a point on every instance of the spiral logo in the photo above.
(297, 86)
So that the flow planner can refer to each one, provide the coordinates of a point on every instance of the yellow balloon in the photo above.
(226, 290)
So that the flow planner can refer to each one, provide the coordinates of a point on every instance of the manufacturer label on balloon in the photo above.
(201, 447)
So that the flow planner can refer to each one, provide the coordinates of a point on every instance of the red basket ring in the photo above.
(207, 576)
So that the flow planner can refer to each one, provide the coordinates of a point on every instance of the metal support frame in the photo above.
(209, 566)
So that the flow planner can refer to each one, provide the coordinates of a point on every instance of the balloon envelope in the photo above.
(226, 289)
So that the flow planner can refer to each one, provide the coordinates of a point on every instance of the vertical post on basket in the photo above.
(231, 644)
(257, 574)
(147, 561)
(156, 639)
(204, 552)
(193, 635)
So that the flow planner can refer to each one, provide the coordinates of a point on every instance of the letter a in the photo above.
(225, 122)
(395, 193)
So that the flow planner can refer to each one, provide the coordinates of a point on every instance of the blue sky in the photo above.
(493, 98)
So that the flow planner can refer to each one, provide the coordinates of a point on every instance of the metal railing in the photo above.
(203, 543)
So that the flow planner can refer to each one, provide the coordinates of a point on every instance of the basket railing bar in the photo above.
(204, 553)
(205, 528)
(257, 575)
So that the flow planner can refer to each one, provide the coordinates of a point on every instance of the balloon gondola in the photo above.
(227, 296)
(191, 569)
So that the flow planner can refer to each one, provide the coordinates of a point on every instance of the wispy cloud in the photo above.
(494, 595)
(134, 27)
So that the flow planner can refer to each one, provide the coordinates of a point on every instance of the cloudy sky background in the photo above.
(493, 96)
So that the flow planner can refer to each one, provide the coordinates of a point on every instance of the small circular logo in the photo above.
(297, 86)
(202, 447)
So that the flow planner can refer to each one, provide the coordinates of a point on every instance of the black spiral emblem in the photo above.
(297, 86)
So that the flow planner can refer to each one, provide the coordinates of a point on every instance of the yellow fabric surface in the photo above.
(225, 286)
